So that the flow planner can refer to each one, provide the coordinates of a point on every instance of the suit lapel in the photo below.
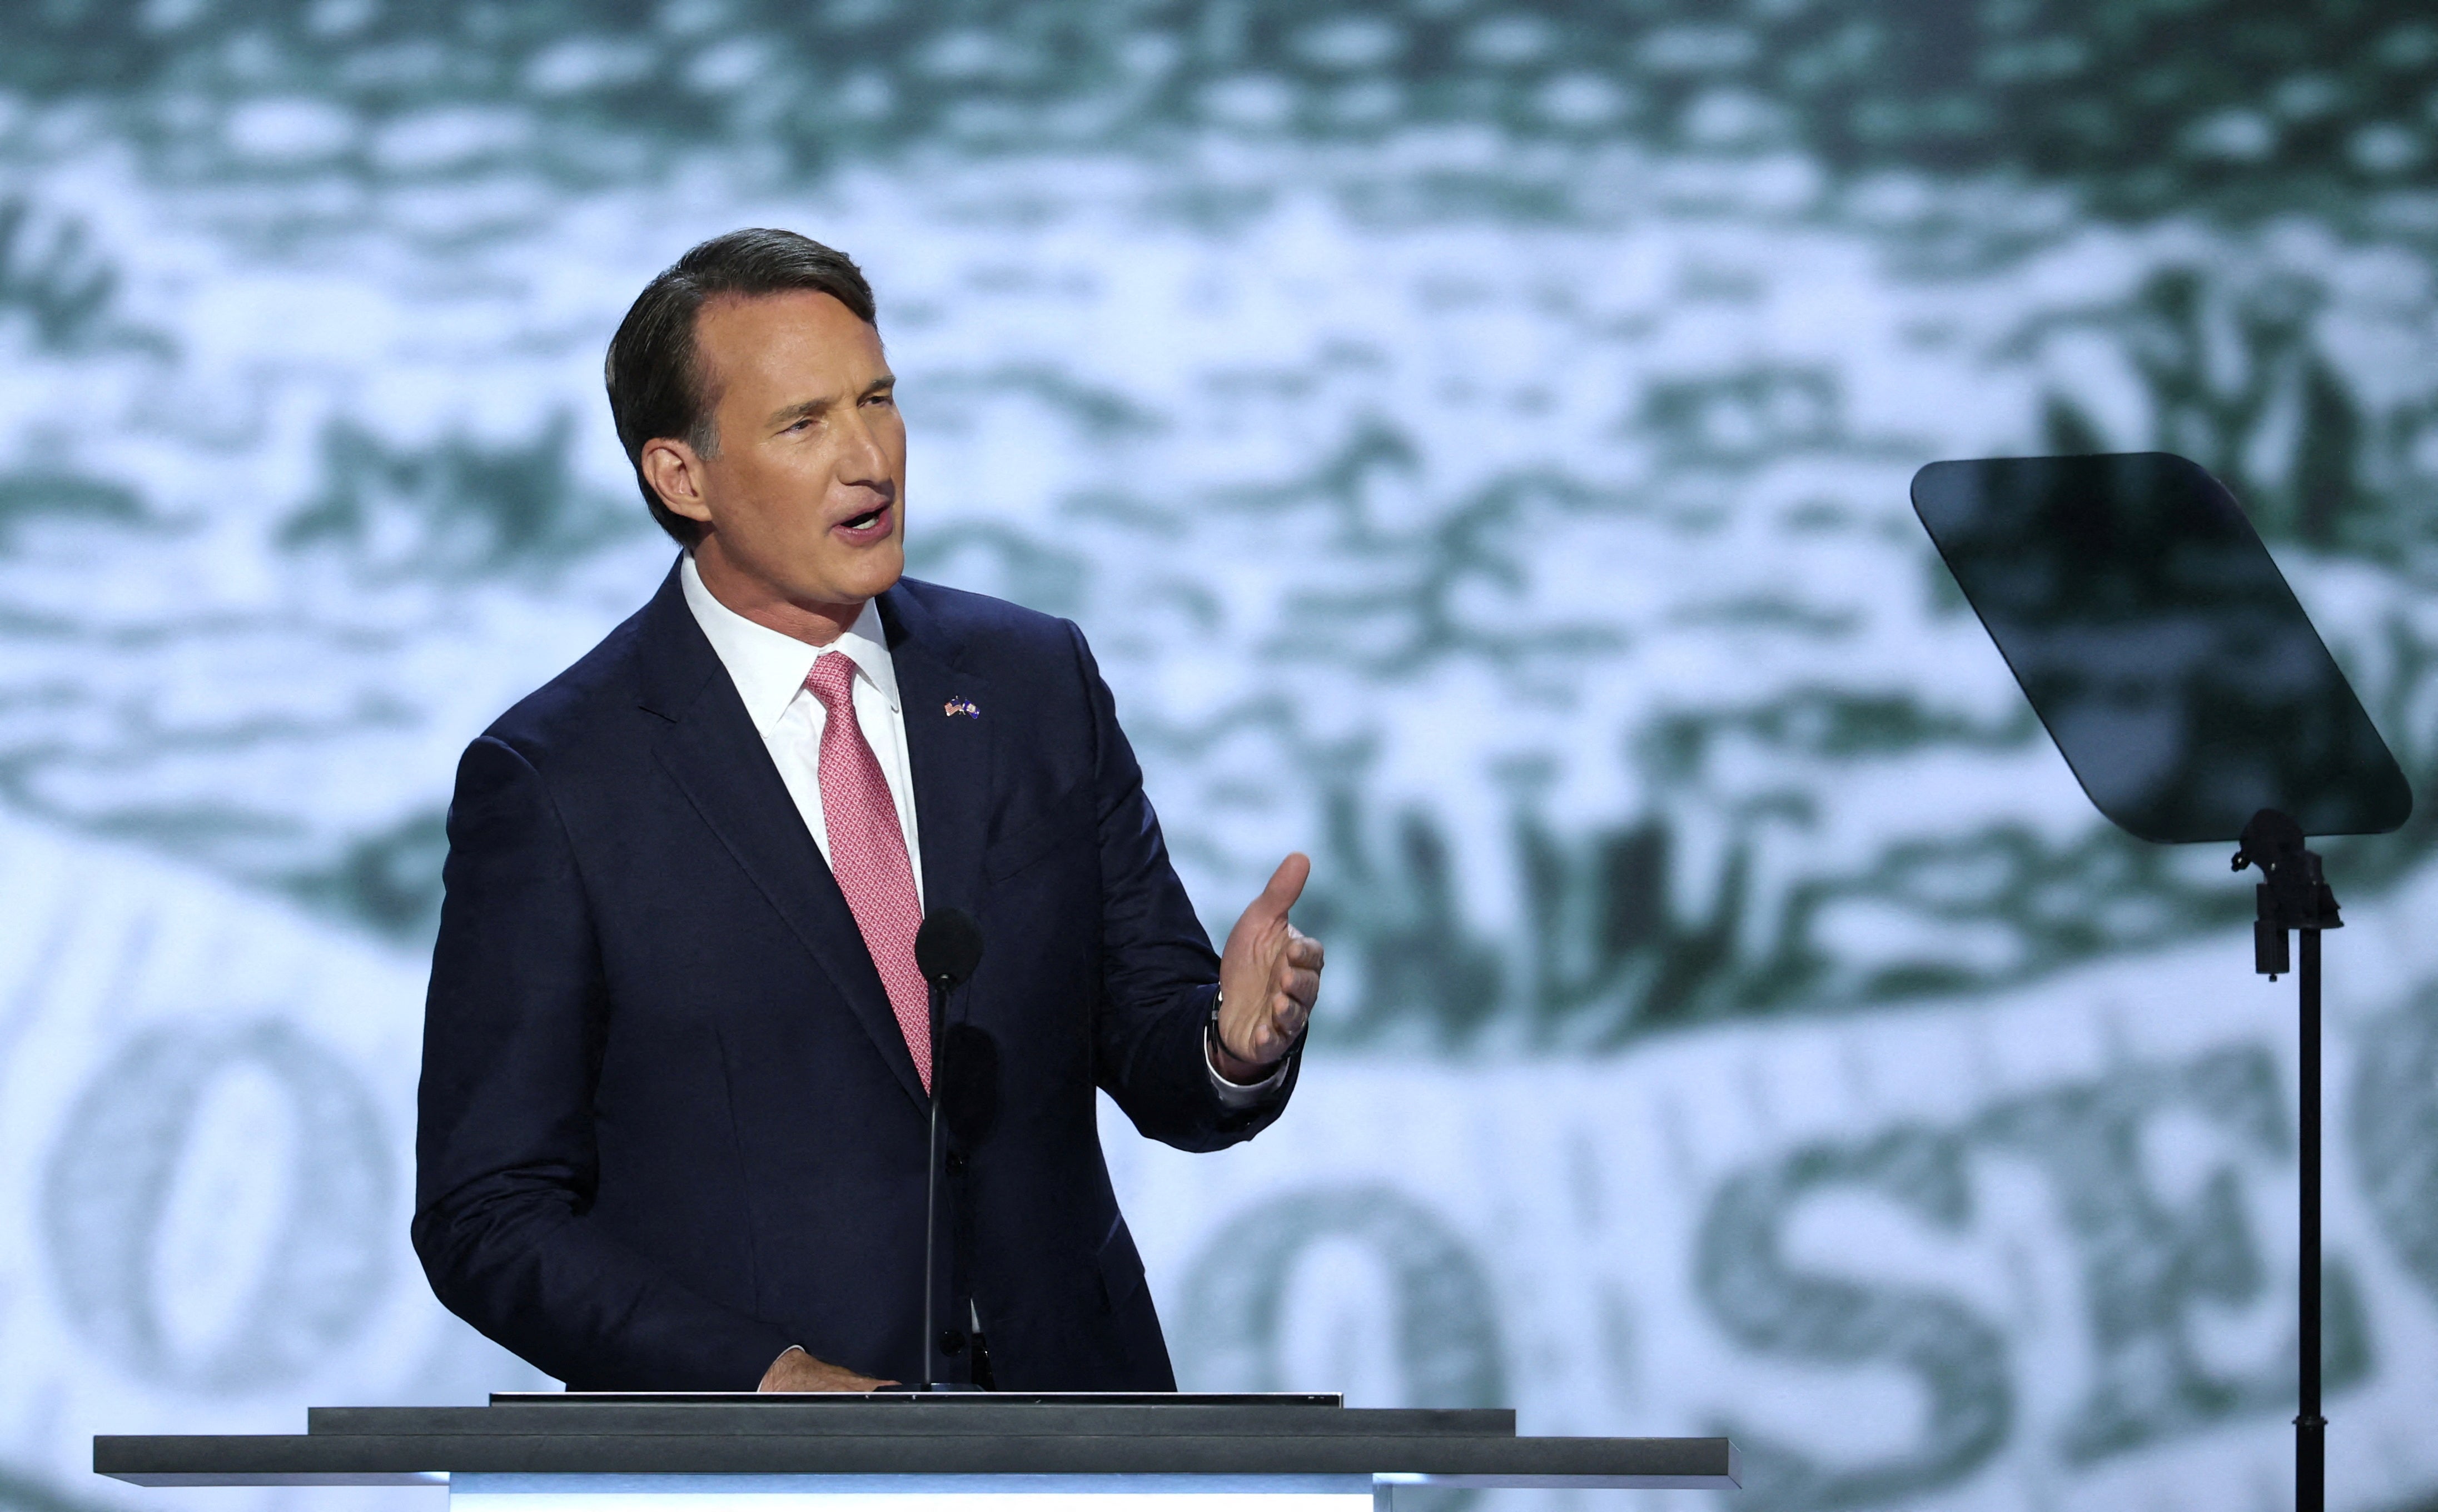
(712, 751)
(948, 734)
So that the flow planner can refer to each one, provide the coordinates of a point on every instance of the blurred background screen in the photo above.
(1474, 435)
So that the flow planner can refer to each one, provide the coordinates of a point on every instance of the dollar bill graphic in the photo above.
(1473, 436)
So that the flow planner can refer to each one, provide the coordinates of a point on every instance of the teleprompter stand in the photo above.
(2187, 689)
(2294, 896)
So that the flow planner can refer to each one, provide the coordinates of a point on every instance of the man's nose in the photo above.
(863, 462)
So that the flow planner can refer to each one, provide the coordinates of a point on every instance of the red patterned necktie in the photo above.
(868, 853)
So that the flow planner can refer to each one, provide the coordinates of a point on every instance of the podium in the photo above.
(892, 1451)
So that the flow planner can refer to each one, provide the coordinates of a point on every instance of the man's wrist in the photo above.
(1232, 1067)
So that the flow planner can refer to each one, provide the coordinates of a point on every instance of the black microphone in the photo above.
(947, 947)
(946, 950)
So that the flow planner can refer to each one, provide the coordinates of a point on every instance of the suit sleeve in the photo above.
(505, 1159)
(1159, 973)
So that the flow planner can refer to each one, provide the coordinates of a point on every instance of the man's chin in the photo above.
(863, 579)
(881, 574)
(822, 581)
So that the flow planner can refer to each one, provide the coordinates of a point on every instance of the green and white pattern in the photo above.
(1474, 436)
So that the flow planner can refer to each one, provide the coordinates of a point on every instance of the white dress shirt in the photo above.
(769, 669)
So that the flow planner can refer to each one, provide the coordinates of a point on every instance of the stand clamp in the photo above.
(2294, 894)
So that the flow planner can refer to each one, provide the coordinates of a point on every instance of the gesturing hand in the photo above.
(1268, 976)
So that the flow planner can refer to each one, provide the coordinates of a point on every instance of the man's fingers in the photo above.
(1287, 1016)
(1303, 987)
(1303, 952)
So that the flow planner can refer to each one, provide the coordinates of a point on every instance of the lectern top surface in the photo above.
(582, 1439)
(961, 1399)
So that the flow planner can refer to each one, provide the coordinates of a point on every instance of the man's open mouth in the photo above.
(865, 521)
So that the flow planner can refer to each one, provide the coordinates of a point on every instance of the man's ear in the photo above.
(675, 474)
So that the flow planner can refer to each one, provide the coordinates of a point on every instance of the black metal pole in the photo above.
(2310, 1429)
(2294, 896)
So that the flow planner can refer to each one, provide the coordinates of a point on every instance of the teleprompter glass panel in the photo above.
(2159, 644)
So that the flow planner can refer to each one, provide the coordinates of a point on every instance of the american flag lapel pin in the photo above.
(962, 706)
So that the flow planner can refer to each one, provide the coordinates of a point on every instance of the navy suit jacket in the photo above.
(669, 1125)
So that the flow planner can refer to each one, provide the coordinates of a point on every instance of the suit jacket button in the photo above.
(952, 1340)
(955, 1163)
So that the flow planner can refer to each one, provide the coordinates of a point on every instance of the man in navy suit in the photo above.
(672, 1115)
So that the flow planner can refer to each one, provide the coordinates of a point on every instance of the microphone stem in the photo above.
(931, 1224)
(931, 1198)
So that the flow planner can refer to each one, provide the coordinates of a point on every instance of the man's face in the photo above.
(804, 496)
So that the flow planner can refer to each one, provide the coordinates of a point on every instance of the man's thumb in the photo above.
(1286, 883)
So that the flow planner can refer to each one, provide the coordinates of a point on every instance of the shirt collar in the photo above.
(769, 668)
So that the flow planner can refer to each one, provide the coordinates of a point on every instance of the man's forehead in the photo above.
(789, 327)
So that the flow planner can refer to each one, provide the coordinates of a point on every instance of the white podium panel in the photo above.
(910, 1493)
